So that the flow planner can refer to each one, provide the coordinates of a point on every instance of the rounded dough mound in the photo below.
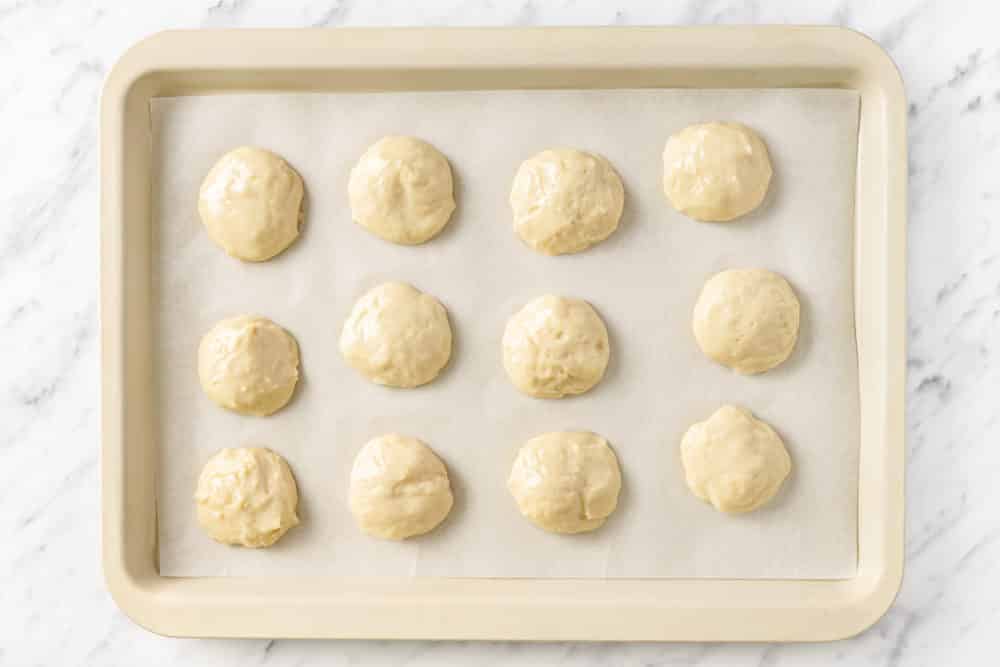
(716, 172)
(566, 482)
(249, 365)
(246, 496)
(401, 190)
(747, 319)
(566, 200)
(399, 488)
(251, 203)
(734, 461)
(555, 346)
(397, 336)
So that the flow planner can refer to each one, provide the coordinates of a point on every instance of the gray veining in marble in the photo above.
(54, 54)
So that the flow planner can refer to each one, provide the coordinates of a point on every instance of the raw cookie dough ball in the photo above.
(401, 190)
(397, 336)
(566, 482)
(399, 488)
(246, 496)
(566, 200)
(716, 171)
(734, 461)
(555, 346)
(747, 319)
(251, 203)
(249, 365)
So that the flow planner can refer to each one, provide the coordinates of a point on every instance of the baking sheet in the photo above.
(643, 280)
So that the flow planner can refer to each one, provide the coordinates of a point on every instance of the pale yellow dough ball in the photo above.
(401, 190)
(251, 203)
(399, 488)
(397, 336)
(734, 461)
(716, 172)
(565, 200)
(747, 319)
(566, 482)
(555, 346)
(246, 496)
(249, 365)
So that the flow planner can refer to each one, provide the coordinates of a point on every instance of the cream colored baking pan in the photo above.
(197, 63)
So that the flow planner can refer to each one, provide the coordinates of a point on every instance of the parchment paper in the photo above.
(643, 280)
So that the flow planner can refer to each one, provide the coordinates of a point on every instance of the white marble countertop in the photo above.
(54, 609)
